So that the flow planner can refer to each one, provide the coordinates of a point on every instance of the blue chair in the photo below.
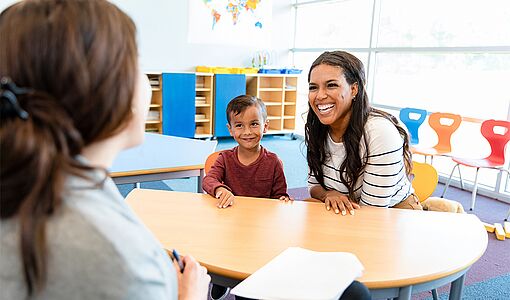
(413, 124)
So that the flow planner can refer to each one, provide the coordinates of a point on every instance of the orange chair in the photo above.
(210, 160)
(424, 181)
(496, 160)
(444, 132)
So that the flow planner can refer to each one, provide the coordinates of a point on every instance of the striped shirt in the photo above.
(384, 182)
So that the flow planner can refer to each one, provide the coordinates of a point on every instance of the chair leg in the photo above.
(448, 181)
(475, 187)
(508, 215)
(460, 178)
(432, 159)
(434, 294)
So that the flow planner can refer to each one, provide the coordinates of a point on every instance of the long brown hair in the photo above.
(316, 133)
(78, 61)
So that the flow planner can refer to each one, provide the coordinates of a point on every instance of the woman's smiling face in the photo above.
(330, 95)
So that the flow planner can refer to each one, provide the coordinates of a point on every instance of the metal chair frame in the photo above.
(495, 161)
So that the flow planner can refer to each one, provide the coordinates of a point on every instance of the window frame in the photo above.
(501, 188)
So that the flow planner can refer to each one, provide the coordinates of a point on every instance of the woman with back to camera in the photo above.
(356, 154)
(72, 97)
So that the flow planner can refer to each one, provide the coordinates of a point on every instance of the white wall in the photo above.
(5, 3)
(163, 31)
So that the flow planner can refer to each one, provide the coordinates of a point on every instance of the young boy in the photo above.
(248, 169)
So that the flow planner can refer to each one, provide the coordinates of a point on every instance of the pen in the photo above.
(179, 260)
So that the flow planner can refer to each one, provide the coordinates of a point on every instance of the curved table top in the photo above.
(397, 247)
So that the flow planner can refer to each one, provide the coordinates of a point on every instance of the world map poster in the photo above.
(230, 22)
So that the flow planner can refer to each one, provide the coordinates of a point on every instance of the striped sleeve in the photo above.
(312, 181)
(384, 181)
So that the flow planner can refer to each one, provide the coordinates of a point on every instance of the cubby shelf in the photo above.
(270, 89)
(279, 94)
(156, 105)
(270, 103)
(194, 104)
(204, 102)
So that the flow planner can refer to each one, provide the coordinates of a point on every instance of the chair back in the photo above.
(424, 180)
(497, 141)
(444, 131)
(412, 124)
(211, 159)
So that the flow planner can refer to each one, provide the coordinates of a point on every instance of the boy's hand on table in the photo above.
(225, 197)
(286, 198)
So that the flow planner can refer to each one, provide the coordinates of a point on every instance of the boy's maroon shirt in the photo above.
(264, 178)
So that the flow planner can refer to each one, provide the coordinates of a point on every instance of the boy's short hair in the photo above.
(242, 102)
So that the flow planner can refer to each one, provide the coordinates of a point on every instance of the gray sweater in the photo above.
(98, 249)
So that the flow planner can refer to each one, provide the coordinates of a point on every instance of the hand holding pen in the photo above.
(193, 278)
(178, 259)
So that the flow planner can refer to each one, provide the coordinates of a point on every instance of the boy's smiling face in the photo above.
(248, 127)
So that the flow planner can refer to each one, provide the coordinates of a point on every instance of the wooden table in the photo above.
(403, 251)
(162, 157)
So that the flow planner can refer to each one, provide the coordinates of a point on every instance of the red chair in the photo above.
(444, 133)
(496, 160)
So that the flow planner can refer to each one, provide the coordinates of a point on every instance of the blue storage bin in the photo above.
(270, 71)
(291, 71)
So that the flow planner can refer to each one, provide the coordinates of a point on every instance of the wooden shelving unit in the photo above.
(279, 93)
(289, 102)
(154, 119)
(204, 97)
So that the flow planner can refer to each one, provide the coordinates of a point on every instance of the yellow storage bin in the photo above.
(250, 70)
(221, 70)
(204, 69)
(236, 70)
(226, 70)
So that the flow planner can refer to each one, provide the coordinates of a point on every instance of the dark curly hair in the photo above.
(316, 133)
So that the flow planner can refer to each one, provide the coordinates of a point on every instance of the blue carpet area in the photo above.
(497, 288)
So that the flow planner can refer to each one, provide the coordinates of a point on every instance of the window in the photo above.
(449, 56)
(439, 23)
(323, 25)
(474, 85)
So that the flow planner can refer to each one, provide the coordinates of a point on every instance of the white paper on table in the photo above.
(298, 273)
